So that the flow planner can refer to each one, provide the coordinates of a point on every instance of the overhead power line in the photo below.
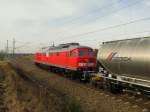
(105, 8)
(93, 11)
(100, 17)
(24, 45)
(129, 5)
(108, 28)
(116, 35)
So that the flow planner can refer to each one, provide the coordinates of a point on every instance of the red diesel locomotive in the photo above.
(69, 58)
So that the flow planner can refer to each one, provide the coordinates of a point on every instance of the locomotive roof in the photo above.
(65, 47)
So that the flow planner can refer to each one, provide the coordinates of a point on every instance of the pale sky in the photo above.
(38, 23)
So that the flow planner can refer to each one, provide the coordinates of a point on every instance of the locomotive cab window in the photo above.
(82, 53)
(90, 53)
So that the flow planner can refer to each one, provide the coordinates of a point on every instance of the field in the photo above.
(1, 56)
(28, 88)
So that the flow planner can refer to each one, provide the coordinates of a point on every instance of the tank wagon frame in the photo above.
(116, 83)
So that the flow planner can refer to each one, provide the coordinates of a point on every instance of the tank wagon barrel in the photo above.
(128, 57)
(127, 60)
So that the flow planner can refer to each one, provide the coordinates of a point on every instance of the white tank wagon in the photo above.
(127, 63)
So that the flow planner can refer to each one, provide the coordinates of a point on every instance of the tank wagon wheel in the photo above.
(112, 87)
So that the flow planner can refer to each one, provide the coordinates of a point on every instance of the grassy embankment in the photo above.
(23, 96)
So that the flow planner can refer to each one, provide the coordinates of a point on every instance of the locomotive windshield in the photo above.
(86, 53)
(82, 53)
(90, 53)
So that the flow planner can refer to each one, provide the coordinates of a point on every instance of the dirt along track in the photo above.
(81, 97)
(20, 94)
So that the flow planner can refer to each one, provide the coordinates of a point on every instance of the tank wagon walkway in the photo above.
(90, 100)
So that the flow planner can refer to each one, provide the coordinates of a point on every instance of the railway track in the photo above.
(131, 99)
(136, 100)
(128, 97)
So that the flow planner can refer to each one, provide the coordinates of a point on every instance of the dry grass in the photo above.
(24, 96)
(88, 100)
(19, 95)
(2, 56)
